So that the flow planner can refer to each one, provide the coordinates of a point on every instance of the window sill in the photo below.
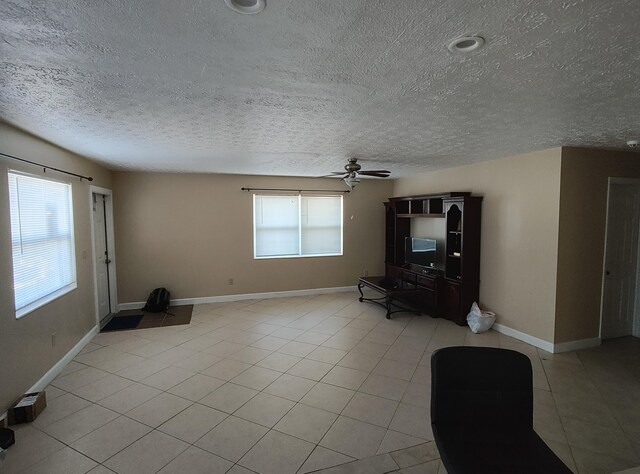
(45, 300)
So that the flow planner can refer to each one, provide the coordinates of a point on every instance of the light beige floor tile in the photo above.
(31, 445)
(167, 378)
(277, 453)
(118, 362)
(380, 464)
(412, 420)
(226, 369)
(590, 410)
(147, 455)
(419, 454)
(265, 409)
(394, 441)
(385, 387)
(198, 362)
(174, 355)
(229, 397)
(270, 343)
(65, 461)
(401, 353)
(250, 355)
(322, 458)
(151, 349)
(196, 387)
(307, 423)
(298, 349)
(232, 438)
(398, 370)
(310, 369)
(111, 438)
(197, 461)
(327, 355)
(256, 377)
(78, 424)
(370, 348)
(70, 368)
(345, 377)
(417, 394)
(371, 409)
(159, 409)
(102, 388)
(312, 337)
(278, 361)
(287, 333)
(224, 348)
(357, 360)
(90, 347)
(59, 408)
(193, 423)
(599, 439)
(328, 397)
(130, 397)
(589, 462)
(199, 343)
(290, 387)
(90, 359)
(563, 451)
(142, 370)
(53, 392)
(353, 438)
(100, 469)
(79, 378)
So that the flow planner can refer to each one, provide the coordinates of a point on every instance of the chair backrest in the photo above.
(481, 387)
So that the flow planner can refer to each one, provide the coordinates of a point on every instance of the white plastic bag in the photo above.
(480, 321)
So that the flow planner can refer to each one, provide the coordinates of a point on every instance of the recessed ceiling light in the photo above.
(466, 44)
(247, 7)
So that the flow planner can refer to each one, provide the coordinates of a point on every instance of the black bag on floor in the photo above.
(158, 301)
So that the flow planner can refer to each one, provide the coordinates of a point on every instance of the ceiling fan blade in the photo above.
(373, 173)
(334, 175)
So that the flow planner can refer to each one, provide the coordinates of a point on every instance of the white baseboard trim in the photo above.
(534, 341)
(546, 345)
(576, 345)
(53, 372)
(245, 296)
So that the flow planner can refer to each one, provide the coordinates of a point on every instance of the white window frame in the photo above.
(300, 255)
(38, 303)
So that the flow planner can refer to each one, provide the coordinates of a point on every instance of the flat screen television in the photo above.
(419, 251)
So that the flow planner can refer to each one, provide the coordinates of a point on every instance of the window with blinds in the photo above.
(42, 240)
(297, 226)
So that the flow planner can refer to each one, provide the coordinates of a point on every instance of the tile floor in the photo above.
(294, 385)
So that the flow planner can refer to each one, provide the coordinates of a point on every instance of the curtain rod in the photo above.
(45, 167)
(296, 190)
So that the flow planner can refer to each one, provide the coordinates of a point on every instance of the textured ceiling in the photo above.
(189, 85)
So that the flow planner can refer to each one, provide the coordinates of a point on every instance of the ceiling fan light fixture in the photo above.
(466, 44)
(246, 7)
(351, 181)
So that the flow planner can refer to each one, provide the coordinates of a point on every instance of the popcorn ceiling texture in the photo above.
(189, 85)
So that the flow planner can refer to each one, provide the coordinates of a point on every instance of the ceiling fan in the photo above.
(353, 169)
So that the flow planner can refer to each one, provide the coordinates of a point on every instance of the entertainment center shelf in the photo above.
(450, 287)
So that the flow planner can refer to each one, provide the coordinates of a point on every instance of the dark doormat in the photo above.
(176, 315)
(118, 323)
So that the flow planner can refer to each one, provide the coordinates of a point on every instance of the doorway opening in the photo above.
(104, 267)
(620, 308)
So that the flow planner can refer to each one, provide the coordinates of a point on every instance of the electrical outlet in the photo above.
(230, 281)
(53, 340)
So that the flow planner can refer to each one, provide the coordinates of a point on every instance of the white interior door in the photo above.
(621, 259)
(101, 255)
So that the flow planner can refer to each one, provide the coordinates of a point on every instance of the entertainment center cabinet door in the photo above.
(451, 303)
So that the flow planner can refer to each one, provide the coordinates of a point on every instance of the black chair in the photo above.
(482, 413)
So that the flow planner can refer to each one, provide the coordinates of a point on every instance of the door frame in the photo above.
(636, 307)
(113, 289)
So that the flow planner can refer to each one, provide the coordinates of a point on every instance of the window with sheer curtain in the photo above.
(297, 226)
(42, 240)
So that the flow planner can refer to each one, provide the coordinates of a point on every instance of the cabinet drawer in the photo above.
(426, 282)
(408, 277)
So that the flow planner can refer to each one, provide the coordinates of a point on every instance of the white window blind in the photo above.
(297, 226)
(42, 240)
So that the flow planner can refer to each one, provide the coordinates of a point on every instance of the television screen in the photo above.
(419, 251)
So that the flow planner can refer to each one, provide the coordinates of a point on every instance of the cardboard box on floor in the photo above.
(27, 408)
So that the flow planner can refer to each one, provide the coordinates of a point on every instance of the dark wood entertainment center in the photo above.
(449, 290)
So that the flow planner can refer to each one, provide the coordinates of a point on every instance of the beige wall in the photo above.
(25, 344)
(519, 233)
(192, 232)
(583, 212)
